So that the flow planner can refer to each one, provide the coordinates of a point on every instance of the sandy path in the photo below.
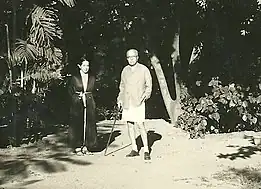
(177, 162)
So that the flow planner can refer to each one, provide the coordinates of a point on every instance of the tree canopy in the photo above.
(217, 39)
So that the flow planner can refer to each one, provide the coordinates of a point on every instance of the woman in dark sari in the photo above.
(82, 108)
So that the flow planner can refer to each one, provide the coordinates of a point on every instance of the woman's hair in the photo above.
(83, 59)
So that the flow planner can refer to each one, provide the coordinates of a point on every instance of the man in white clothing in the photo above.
(135, 89)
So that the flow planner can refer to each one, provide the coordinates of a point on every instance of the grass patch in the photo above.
(248, 178)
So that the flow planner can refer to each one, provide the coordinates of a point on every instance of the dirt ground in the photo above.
(224, 161)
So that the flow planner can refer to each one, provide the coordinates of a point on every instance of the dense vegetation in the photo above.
(43, 40)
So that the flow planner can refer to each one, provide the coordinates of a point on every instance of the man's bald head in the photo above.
(132, 52)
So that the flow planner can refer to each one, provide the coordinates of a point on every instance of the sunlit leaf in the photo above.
(216, 116)
(204, 122)
(245, 104)
(210, 102)
(25, 50)
(54, 55)
(232, 87)
(232, 104)
(44, 26)
(69, 3)
(258, 99)
(210, 109)
(216, 94)
(198, 107)
(254, 120)
(244, 117)
(223, 101)
(252, 99)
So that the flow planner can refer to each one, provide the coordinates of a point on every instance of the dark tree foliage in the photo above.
(226, 32)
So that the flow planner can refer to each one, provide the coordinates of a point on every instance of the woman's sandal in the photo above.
(85, 151)
(78, 152)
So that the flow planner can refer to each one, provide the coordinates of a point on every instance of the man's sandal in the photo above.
(133, 153)
(147, 156)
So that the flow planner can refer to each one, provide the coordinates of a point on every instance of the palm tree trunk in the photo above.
(25, 70)
(22, 78)
(34, 87)
(14, 7)
(9, 64)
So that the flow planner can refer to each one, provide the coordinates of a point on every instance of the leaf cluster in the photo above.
(226, 108)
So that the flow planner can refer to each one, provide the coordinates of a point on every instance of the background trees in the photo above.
(34, 59)
(191, 42)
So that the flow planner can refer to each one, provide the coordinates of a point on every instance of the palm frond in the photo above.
(54, 55)
(51, 55)
(14, 60)
(44, 26)
(25, 50)
(69, 3)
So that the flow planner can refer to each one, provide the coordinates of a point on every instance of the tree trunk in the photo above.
(25, 70)
(9, 62)
(34, 87)
(14, 7)
(173, 106)
(176, 60)
(22, 78)
(168, 101)
(188, 31)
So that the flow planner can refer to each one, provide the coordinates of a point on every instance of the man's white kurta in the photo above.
(135, 88)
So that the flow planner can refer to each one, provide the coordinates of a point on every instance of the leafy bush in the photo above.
(103, 113)
(23, 116)
(226, 108)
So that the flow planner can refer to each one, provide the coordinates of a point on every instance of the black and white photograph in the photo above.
(130, 94)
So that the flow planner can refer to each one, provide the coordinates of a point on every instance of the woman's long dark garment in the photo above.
(77, 113)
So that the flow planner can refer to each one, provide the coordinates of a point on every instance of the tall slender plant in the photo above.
(38, 57)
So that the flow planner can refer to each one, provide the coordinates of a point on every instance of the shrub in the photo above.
(103, 113)
(226, 108)
(25, 116)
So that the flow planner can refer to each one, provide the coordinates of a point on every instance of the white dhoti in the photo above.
(134, 114)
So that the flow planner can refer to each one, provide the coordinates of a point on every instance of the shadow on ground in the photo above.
(103, 140)
(107, 133)
(243, 152)
(248, 178)
(152, 137)
(49, 155)
(45, 156)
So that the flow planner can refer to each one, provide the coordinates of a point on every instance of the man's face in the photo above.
(132, 57)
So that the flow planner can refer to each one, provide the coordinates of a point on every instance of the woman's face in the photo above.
(85, 66)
